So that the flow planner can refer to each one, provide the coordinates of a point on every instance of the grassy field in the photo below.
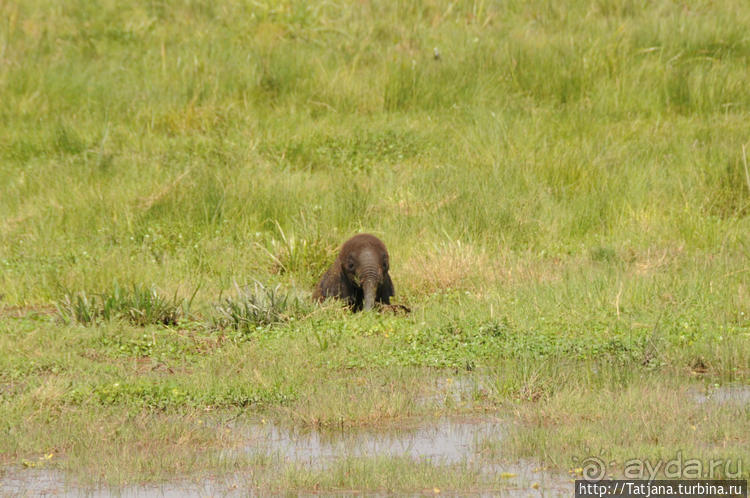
(564, 189)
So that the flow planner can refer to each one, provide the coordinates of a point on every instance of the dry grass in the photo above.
(656, 259)
(448, 266)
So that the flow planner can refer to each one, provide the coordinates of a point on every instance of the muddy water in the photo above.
(442, 441)
(445, 441)
(32, 482)
(723, 395)
(448, 440)
(52, 483)
(46, 482)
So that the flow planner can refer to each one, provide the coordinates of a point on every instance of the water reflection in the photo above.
(444, 441)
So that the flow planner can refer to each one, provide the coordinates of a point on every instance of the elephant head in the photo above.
(359, 274)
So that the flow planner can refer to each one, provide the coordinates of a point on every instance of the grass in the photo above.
(564, 193)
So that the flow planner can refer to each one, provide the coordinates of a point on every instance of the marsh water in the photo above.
(738, 394)
(447, 440)
(443, 441)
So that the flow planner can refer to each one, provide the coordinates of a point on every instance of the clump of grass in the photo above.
(254, 307)
(139, 305)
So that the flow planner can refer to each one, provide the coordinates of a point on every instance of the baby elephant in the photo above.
(359, 275)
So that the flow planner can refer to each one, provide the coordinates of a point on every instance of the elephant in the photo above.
(359, 275)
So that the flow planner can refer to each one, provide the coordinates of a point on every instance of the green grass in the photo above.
(565, 195)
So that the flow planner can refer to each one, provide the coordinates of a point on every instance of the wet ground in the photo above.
(443, 441)
(454, 440)
(47, 482)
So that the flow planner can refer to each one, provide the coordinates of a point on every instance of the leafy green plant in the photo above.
(78, 307)
(139, 305)
(254, 307)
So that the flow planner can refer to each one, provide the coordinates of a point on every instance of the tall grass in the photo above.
(612, 122)
(566, 185)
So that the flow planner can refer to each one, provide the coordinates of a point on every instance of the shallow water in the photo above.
(734, 394)
(47, 482)
(442, 441)
(445, 441)
(32, 482)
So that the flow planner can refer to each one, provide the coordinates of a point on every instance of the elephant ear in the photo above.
(385, 291)
(331, 284)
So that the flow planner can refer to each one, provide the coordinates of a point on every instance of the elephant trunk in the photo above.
(369, 287)
(369, 278)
